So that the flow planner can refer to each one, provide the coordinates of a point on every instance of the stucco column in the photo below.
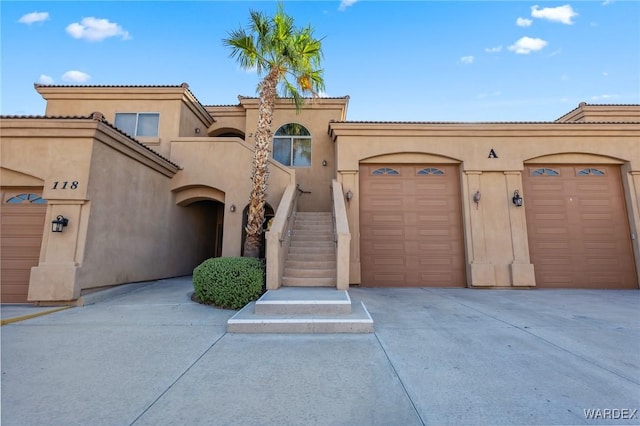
(349, 181)
(632, 194)
(480, 271)
(522, 273)
(55, 277)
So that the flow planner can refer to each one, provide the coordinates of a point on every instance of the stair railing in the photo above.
(279, 236)
(342, 235)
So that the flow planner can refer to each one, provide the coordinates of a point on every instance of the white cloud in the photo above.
(605, 74)
(562, 14)
(344, 4)
(493, 49)
(489, 95)
(466, 59)
(75, 76)
(95, 29)
(604, 97)
(526, 45)
(45, 79)
(607, 2)
(32, 17)
(523, 22)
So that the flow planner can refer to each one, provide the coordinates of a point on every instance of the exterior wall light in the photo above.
(59, 223)
(232, 209)
(324, 163)
(348, 195)
(517, 199)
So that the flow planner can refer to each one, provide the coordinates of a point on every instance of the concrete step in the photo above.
(313, 214)
(304, 301)
(312, 243)
(306, 249)
(312, 235)
(298, 256)
(309, 273)
(308, 282)
(247, 321)
(310, 264)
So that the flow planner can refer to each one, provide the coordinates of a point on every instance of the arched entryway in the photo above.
(203, 219)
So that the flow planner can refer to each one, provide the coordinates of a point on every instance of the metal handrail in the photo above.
(333, 216)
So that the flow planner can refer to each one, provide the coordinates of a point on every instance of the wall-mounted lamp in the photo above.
(59, 223)
(197, 130)
(476, 198)
(324, 163)
(232, 209)
(348, 195)
(517, 199)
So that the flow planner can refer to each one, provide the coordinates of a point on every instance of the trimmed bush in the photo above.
(228, 282)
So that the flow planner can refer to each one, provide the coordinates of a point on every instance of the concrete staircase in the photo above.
(311, 261)
(308, 301)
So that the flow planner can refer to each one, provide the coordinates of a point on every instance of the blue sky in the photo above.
(398, 61)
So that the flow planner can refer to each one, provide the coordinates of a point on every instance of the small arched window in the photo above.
(544, 172)
(26, 199)
(430, 171)
(292, 145)
(385, 171)
(590, 172)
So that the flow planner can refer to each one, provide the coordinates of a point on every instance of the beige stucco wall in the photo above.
(315, 116)
(124, 223)
(220, 169)
(180, 113)
(495, 232)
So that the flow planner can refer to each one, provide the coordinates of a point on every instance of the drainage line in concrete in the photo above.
(176, 381)
(415, 409)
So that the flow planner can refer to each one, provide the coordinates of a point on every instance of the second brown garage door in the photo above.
(579, 235)
(411, 226)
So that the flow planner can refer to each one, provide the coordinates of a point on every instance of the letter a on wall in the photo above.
(492, 154)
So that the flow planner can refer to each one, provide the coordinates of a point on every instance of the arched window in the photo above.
(26, 199)
(292, 145)
(544, 172)
(430, 171)
(590, 172)
(385, 171)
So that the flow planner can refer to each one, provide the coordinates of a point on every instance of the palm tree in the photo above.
(288, 59)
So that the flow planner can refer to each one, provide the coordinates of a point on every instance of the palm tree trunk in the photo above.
(260, 172)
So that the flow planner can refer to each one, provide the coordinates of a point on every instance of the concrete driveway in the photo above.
(438, 357)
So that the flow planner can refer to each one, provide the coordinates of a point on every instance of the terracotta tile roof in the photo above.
(487, 122)
(96, 116)
(256, 98)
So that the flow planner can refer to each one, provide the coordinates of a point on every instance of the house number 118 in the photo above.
(65, 185)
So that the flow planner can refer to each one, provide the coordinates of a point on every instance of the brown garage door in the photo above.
(21, 226)
(411, 226)
(579, 235)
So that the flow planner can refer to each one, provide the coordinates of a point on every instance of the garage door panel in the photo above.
(21, 227)
(420, 245)
(578, 228)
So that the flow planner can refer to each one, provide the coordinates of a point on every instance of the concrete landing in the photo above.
(302, 310)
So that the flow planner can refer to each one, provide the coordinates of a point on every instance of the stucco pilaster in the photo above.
(55, 278)
(522, 272)
(631, 182)
(480, 272)
(349, 181)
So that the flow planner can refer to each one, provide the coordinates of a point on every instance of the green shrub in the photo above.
(228, 282)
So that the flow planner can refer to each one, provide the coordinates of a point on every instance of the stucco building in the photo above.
(151, 183)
